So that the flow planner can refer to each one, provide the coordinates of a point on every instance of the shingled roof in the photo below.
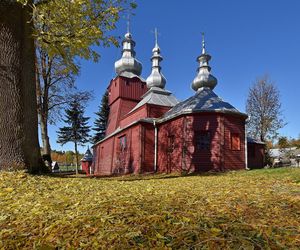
(157, 96)
(205, 100)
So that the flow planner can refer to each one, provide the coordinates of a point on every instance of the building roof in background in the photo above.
(280, 152)
(87, 156)
(252, 140)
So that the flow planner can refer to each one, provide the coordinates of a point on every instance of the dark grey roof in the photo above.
(87, 156)
(157, 96)
(252, 140)
(205, 100)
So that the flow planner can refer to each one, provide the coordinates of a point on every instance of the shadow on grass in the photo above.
(134, 177)
(160, 176)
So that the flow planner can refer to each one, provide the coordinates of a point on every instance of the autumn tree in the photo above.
(77, 130)
(264, 110)
(19, 146)
(72, 27)
(101, 119)
(55, 87)
(69, 157)
(283, 142)
(295, 142)
(65, 30)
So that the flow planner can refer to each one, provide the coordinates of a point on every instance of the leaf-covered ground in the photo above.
(236, 210)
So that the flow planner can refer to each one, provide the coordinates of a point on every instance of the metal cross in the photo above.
(203, 42)
(128, 23)
(156, 34)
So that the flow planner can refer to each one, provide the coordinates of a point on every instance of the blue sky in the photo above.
(246, 39)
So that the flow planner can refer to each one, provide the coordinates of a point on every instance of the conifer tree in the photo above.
(77, 130)
(102, 118)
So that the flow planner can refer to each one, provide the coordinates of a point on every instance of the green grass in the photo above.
(257, 209)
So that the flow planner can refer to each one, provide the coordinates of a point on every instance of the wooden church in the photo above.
(150, 131)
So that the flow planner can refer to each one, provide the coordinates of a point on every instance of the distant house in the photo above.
(277, 153)
(55, 167)
(285, 156)
(150, 131)
(86, 162)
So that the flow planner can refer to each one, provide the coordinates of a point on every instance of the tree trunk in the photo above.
(42, 113)
(76, 156)
(19, 146)
(45, 141)
(45, 137)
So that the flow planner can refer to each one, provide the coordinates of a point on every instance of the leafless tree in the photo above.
(264, 108)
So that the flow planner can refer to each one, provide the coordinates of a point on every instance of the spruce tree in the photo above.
(77, 130)
(102, 118)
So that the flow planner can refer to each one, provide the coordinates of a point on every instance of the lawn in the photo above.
(236, 210)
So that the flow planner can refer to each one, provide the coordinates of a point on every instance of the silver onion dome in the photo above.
(156, 78)
(128, 62)
(204, 78)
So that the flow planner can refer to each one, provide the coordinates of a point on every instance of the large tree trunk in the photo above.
(19, 146)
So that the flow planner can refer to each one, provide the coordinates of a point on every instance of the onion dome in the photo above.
(128, 63)
(204, 78)
(156, 78)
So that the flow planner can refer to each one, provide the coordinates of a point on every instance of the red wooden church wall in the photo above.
(179, 149)
(112, 158)
(124, 94)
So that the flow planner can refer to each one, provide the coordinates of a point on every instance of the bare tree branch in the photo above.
(264, 108)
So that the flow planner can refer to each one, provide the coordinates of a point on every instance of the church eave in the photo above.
(119, 130)
(195, 111)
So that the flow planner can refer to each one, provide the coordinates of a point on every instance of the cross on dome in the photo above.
(204, 78)
(128, 23)
(203, 43)
(128, 65)
(156, 78)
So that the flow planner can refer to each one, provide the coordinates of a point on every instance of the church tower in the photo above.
(126, 89)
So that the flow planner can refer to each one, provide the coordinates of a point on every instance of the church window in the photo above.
(203, 140)
(235, 141)
(123, 142)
